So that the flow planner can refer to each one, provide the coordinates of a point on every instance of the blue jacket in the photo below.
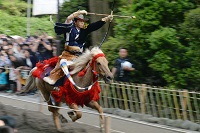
(74, 37)
(3, 78)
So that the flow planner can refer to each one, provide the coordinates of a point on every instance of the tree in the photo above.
(152, 16)
(190, 37)
(168, 57)
(14, 7)
(17, 25)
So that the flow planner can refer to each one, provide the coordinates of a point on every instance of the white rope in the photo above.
(64, 66)
(113, 116)
(14, 69)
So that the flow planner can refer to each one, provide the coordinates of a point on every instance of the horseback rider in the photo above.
(75, 35)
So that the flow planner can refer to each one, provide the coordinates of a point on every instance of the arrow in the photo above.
(120, 16)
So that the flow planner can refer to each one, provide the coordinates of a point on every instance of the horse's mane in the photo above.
(81, 62)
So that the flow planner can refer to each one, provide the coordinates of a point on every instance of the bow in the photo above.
(105, 36)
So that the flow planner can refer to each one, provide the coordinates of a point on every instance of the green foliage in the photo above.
(159, 44)
(112, 49)
(167, 56)
(14, 7)
(17, 25)
(70, 7)
(190, 37)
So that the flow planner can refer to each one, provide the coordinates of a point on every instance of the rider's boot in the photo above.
(64, 64)
(57, 73)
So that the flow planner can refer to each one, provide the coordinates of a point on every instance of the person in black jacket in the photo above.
(75, 35)
(123, 66)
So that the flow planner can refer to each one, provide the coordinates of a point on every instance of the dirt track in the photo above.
(36, 122)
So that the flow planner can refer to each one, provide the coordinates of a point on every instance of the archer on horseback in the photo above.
(75, 35)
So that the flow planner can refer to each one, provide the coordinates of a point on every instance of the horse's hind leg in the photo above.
(60, 116)
(54, 110)
(77, 114)
(95, 105)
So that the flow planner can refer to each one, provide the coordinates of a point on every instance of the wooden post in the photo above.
(109, 96)
(171, 107)
(136, 98)
(107, 124)
(196, 107)
(147, 103)
(114, 95)
(105, 95)
(158, 101)
(190, 107)
(152, 99)
(119, 94)
(183, 98)
(178, 116)
(124, 97)
(130, 97)
(143, 93)
(101, 97)
(164, 103)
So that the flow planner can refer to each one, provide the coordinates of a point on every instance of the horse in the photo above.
(93, 64)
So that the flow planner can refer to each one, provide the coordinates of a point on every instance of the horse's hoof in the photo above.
(63, 119)
(101, 127)
(60, 131)
(72, 115)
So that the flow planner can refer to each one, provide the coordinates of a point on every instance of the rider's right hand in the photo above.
(75, 14)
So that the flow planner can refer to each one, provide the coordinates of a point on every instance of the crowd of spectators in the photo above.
(19, 55)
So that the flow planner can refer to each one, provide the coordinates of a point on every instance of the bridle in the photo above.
(92, 64)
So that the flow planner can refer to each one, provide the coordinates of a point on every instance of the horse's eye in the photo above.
(98, 63)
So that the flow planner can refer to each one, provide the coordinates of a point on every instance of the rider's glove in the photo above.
(108, 18)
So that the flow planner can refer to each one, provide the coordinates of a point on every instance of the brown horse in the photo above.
(90, 60)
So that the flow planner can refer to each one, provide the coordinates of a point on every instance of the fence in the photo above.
(159, 102)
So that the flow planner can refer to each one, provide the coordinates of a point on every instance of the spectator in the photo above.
(22, 53)
(18, 64)
(12, 80)
(30, 60)
(7, 124)
(5, 41)
(25, 46)
(3, 79)
(44, 49)
(18, 52)
(4, 60)
(123, 66)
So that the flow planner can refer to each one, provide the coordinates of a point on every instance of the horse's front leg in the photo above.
(95, 105)
(74, 115)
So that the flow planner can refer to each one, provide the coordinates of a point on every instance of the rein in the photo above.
(93, 65)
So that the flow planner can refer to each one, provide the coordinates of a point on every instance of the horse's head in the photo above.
(99, 64)
(95, 59)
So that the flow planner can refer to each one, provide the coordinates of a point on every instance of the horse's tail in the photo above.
(30, 83)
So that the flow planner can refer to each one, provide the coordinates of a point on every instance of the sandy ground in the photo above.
(36, 122)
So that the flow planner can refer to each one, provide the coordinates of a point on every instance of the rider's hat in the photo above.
(80, 17)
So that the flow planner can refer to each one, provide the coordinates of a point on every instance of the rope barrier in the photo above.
(14, 69)
(106, 115)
